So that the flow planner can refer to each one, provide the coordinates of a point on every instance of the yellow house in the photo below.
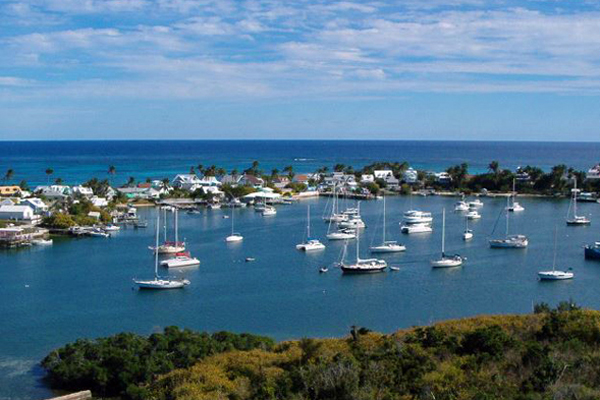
(9, 190)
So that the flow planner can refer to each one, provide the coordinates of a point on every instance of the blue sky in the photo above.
(202, 69)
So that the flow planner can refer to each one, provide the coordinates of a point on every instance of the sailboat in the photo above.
(555, 275)
(576, 219)
(335, 215)
(310, 244)
(514, 207)
(387, 246)
(468, 233)
(509, 241)
(446, 261)
(170, 247)
(159, 283)
(361, 266)
(234, 237)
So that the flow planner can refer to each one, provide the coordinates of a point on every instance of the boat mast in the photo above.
(308, 223)
(554, 260)
(384, 218)
(443, 230)
(156, 248)
(165, 223)
(357, 242)
(176, 229)
(575, 200)
(232, 208)
(507, 213)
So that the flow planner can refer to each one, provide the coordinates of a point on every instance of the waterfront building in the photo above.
(593, 173)
(189, 182)
(410, 176)
(231, 180)
(10, 190)
(18, 213)
(251, 180)
(367, 178)
(83, 191)
(281, 182)
(37, 204)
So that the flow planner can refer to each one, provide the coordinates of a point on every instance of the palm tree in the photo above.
(221, 172)
(131, 181)
(234, 172)
(58, 181)
(112, 171)
(9, 174)
(493, 166)
(274, 172)
(200, 169)
(290, 171)
(49, 171)
(165, 182)
(192, 170)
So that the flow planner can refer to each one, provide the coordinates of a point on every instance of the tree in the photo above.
(234, 172)
(493, 167)
(290, 171)
(200, 169)
(192, 170)
(339, 167)
(274, 172)
(111, 171)
(49, 171)
(221, 172)
(131, 181)
(9, 174)
(165, 182)
(58, 181)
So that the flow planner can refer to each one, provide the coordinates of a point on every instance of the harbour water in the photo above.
(83, 287)
(77, 161)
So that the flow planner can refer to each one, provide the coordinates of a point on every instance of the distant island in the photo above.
(550, 354)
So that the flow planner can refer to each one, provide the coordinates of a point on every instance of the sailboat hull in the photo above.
(387, 249)
(351, 269)
(161, 284)
(555, 275)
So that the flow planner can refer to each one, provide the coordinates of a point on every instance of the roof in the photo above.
(15, 208)
(262, 195)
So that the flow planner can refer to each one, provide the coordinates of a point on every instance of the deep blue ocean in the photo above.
(78, 161)
(83, 287)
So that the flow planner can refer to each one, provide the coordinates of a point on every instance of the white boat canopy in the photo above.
(262, 195)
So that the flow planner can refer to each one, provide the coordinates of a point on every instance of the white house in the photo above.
(18, 213)
(232, 180)
(367, 178)
(383, 174)
(7, 202)
(54, 192)
(593, 173)
(83, 190)
(189, 182)
(37, 204)
(443, 177)
(99, 201)
(410, 176)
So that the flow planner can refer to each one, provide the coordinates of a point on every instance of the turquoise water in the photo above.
(83, 288)
(77, 161)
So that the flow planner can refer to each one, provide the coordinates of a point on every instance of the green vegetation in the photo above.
(121, 365)
(553, 354)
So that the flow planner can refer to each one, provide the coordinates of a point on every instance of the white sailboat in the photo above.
(340, 234)
(514, 206)
(388, 246)
(446, 261)
(468, 233)
(234, 237)
(361, 266)
(159, 283)
(473, 214)
(461, 206)
(576, 219)
(170, 247)
(335, 215)
(310, 244)
(269, 211)
(555, 275)
(509, 241)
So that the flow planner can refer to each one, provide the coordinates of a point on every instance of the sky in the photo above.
(305, 69)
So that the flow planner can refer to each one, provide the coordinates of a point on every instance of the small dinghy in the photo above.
(250, 259)
(395, 268)
(322, 270)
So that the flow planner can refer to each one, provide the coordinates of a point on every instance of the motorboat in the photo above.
(461, 206)
(181, 260)
(342, 234)
(446, 261)
(510, 242)
(310, 244)
(473, 214)
(160, 283)
(97, 232)
(269, 211)
(592, 251)
(111, 228)
(476, 203)
(555, 275)
(416, 228)
(417, 217)
(386, 246)
(42, 242)
(575, 219)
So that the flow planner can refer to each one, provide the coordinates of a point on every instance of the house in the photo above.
(522, 176)
(281, 182)
(593, 173)
(82, 191)
(410, 176)
(443, 178)
(209, 181)
(251, 180)
(367, 178)
(94, 214)
(38, 205)
(7, 202)
(391, 182)
(18, 213)
(231, 180)
(53, 192)
(189, 182)
(139, 193)
(301, 178)
(99, 201)
(10, 190)
(383, 173)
